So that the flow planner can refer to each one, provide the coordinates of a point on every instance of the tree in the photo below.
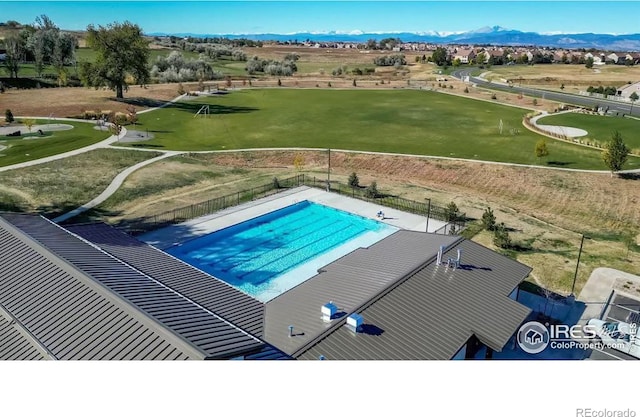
(589, 63)
(451, 212)
(372, 190)
(501, 237)
(122, 51)
(298, 162)
(615, 153)
(633, 97)
(29, 123)
(488, 219)
(541, 148)
(15, 50)
(354, 181)
(132, 114)
(8, 116)
(440, 56)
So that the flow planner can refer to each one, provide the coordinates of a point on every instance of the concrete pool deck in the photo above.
(179, 233)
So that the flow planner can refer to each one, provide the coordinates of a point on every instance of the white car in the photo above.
(618, 335)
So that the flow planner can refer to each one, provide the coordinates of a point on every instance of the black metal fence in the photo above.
(179, 215)
(422, 208)
(214, 205)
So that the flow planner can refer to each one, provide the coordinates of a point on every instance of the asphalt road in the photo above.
(614, 106)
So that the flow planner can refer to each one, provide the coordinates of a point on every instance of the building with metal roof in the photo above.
(412, 307)
(73, 300)
(93, 292)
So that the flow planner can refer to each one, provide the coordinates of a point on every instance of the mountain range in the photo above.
(495, 35)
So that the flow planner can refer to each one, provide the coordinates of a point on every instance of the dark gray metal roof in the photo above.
(431, 314)
(412, 308)
(211, 293)
(200, 328)
(50, 306)
(349, 282)
(15, 343)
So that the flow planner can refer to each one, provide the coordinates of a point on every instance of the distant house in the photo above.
(597, 59)
(627, 90)
(615, 58)
(464, 55)
(633, 57)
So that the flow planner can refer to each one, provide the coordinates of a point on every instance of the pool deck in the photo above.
(192, 229)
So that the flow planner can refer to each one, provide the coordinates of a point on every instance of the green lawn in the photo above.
(400, 121)
(600, 128)
(20, 150)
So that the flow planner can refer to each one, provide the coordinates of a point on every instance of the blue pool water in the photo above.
(267, 255)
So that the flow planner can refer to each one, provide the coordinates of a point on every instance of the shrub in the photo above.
(501, 237)
(372, 190)
(488, 219)
(452, 212)
(8, 116)
(541, 148)
(354, 181)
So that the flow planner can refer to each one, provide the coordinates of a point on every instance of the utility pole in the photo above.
(575, 275)
(329, 171)
(428, 213)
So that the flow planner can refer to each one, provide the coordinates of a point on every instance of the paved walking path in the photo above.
(102, 144)
(113, 187)
(570, 132)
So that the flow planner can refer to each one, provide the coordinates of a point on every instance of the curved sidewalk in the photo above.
(102, 144)
(113, 187)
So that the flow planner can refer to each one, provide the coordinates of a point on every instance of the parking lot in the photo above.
(621, 308)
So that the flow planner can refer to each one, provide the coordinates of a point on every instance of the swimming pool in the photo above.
(270, 254)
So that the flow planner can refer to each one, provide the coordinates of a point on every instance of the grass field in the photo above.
(600, 128)
(62, 185)
(20, 149)
(412, 122)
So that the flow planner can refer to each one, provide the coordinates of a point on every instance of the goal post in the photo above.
(204, 111)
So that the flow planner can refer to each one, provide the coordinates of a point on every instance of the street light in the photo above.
(428, 213)
(575, 275)
(329, 171)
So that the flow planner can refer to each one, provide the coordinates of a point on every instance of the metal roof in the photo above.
(432, 314)
(50, 307)
(15, 341)
(200, 328)
(210, 292)
(349, 282)
(412, 308)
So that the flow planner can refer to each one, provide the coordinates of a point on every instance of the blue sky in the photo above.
(210, 17)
